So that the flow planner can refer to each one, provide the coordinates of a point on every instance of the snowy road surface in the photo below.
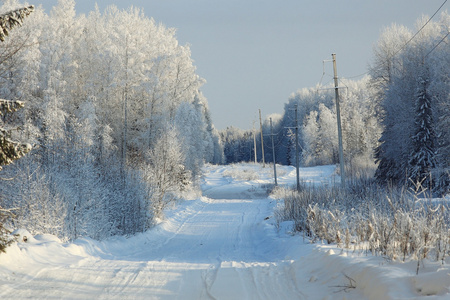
(224, 245)
(214, 250)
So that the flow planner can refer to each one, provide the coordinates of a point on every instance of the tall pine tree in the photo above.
(423, 157)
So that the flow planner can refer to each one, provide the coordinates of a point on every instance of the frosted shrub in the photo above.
(324, 224)
(391, 223)
(251, 171)
(246, 174)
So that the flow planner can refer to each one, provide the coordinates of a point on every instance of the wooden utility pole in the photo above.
(338, 115)
(262, 140)
(297, 160)
(254, 142)
(273, 153)
(125, 115)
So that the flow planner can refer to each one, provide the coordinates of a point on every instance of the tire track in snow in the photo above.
(186, 220)
(128, 275)
(209, 276)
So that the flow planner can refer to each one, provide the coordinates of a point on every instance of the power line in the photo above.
(403, 47)
(356, 76)
(438, 44)
(420, 29)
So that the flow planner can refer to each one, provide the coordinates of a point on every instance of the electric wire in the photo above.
(356, 76)
(438, 44)
(423, 26)
(403, 47)
(323, 72)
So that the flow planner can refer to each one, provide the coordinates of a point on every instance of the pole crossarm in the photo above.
(332, 88)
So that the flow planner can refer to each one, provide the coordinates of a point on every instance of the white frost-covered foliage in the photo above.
(189, 120)
(360, 128)
(167, 170)
(100, 90)
(12, 19)
(423, 157)
(364, 218)
(10, 150)
(412, 88)
(317, 129)
(320, 139)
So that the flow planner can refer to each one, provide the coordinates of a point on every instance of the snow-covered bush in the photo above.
(250, 171)
(392, 223)
(241, 173)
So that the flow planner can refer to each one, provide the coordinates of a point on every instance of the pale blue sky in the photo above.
(254, 54)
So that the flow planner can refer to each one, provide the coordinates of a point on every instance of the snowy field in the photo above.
(225, 245)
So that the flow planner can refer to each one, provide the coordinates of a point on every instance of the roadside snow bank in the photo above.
(345, 275)
(27, 258)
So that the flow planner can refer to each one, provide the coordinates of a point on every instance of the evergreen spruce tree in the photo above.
(423, 157)
(385, 172)
(5, 238)
(12, 19)
(9, 150)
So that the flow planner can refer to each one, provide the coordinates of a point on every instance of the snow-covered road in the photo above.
(224, 245)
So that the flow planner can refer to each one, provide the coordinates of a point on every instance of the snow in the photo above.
(224, 245)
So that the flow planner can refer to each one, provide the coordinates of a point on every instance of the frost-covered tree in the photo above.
(238, 145)
(320, 138)
(196, 140)
(9, 150)
(13, 18)
(189, 123)
(75, 73)
(39, 207)
(314, 147)
(168, 172)
(317, 132)
(422, 75)
(386, 62)
(423, 157)
(359, 126)
(5, 238)
(306, 101)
